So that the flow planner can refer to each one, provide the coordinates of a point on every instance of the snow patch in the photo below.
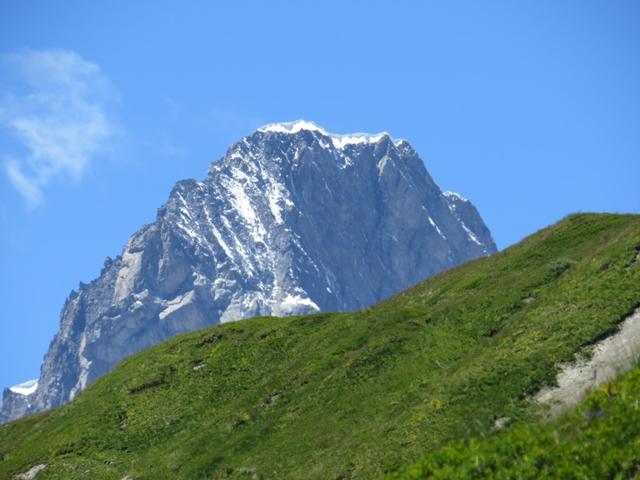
(189, 232)
(276, 195)
(221, 241)
(242, 306)
(470, 234)
(434, 225)
(292, 127)
(241, 203)
(292, 302)
(25, 388)
(339, 141)
(346, 162)
(176, 304)
(454, 196)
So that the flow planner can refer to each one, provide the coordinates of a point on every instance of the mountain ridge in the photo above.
(285, 223)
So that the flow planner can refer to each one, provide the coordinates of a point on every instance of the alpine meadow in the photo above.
(364, 394)
(320, 240)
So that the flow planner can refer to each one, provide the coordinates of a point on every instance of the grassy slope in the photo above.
(347, 395)
(598, 439)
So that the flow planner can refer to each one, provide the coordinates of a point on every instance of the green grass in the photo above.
(351, 395)
(599, 439)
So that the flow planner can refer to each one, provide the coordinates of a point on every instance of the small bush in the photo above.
(558, 267)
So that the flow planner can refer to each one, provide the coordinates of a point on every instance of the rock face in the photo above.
(291, 220)
(596, 366)
(16, 401)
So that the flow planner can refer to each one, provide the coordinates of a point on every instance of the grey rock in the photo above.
(291, 220)
(17, 400)
(31, 473)
(594, 366)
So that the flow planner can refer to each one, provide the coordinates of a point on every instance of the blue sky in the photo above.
(531, 109)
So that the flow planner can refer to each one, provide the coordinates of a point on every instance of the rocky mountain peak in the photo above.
(291, 220)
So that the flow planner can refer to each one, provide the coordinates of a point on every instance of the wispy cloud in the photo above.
(57, 108)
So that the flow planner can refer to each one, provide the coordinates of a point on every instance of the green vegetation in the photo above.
(599, 439)
(358, 395)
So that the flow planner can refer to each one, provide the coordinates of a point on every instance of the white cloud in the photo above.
(58, 112)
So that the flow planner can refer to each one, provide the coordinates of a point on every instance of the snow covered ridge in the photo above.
(340, 141)
(26, 388)
(455, 196)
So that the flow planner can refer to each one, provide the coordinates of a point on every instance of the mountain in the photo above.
(16, 400)
(461, 356)
(291, 220)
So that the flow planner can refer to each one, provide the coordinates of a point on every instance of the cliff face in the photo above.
(291, 220)
(16, 401)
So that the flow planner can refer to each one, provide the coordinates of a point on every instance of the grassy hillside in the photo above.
(354, 395)
(598, 439)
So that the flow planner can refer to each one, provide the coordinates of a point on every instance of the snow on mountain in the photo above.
(17, 400)
(291, 220)
(454, 197)
(26, 388)
(339, 141)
